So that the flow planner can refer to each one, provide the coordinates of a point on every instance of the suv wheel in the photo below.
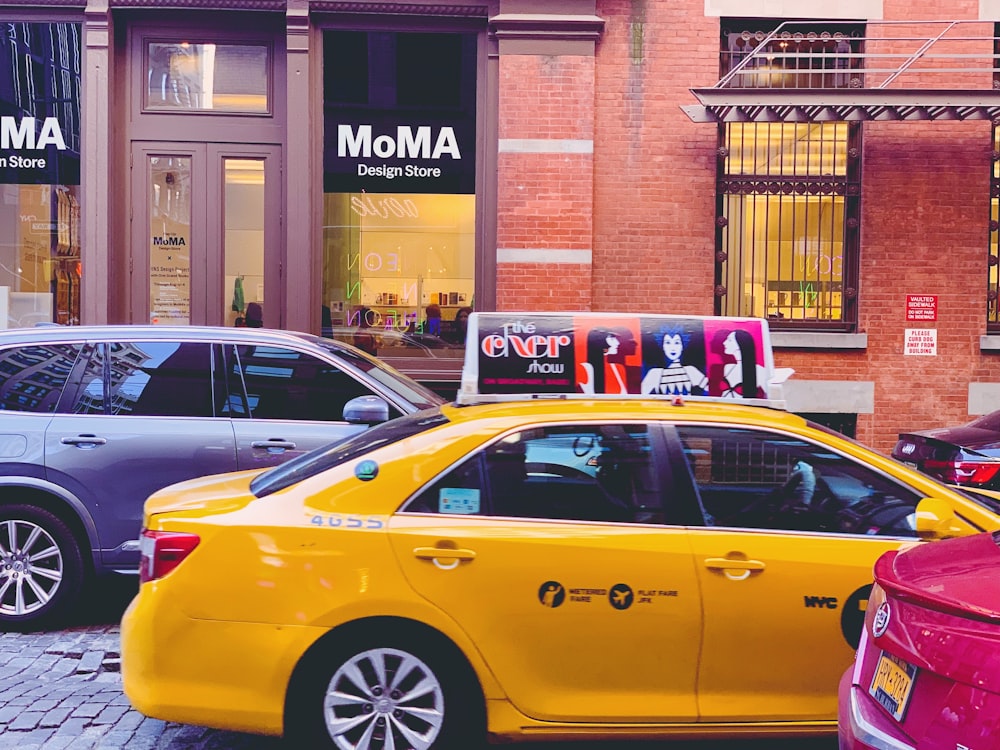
(41, 568)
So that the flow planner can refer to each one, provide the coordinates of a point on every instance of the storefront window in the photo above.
(39, 173)
(399, 174)
(207, 77)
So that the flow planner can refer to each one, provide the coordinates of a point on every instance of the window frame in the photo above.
(847, 186)
(218, 41)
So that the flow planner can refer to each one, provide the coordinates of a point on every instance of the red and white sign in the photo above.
(920, 341)
(921, 306)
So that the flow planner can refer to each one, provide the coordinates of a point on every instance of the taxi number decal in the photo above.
(346, 522)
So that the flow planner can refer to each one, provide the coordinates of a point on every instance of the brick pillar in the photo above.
(545, 173)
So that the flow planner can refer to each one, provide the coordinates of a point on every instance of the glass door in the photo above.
(206, 234)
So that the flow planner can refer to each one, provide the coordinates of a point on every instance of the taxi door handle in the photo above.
(436, 554)
(726, 563)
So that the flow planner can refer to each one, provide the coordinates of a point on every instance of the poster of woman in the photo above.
(608, 357)
(735, 359)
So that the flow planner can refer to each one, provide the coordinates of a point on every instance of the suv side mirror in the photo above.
(366, 410)
(936, 519)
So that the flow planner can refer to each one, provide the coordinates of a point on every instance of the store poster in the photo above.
(618, 354)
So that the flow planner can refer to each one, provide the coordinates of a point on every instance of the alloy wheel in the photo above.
(384, 699)
(31, 567)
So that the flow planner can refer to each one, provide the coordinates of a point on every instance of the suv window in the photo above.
(32, 378)
(283, 383)
(318, 461)
(569, 472)
(760, 479)
(161, 379)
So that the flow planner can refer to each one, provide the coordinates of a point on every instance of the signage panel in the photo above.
(39, 127)
(619, 354)
(921, 306)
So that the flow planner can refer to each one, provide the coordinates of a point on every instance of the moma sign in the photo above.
(40, 127)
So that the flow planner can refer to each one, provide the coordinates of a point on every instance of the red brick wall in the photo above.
(545, 200)
(654, 170)
(651, 187)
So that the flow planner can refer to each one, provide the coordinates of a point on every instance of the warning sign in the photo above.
(921, 341)
(921, 306)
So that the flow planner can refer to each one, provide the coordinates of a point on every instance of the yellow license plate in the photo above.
(892, 684)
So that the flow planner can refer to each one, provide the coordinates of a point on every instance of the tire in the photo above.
(350, 695)
(41, 568)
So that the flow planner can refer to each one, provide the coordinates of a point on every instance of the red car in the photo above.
(927, 672)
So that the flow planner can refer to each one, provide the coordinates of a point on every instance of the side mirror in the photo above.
(936, 519)
(366, 410)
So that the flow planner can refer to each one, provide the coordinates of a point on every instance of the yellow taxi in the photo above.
(594, 565)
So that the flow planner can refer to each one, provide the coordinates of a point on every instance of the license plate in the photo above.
(910, 463)
(892, 684)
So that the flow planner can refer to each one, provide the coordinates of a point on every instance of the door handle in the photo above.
(90, 440)
(436, 554)
(283, 444)
(735, 570)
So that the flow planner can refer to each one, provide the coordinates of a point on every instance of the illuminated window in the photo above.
(183, 76)
(788, 200)
(993, 292)
(399, 244)
(40, 270)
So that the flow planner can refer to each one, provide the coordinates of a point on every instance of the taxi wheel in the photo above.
(41, 568)
(380, 694)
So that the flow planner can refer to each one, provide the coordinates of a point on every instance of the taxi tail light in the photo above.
(162, 551)
(963, 472)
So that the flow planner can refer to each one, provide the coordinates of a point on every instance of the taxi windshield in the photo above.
(317, 461)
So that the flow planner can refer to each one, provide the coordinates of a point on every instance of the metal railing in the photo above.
(887, 54)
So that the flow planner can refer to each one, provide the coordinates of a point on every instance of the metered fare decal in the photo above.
(621, 596)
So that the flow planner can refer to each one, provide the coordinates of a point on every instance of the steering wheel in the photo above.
(559, 470)
(582, 445)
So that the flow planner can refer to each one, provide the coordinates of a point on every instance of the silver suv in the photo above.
(95, 419)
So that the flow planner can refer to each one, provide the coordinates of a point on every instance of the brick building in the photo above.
(833, 168)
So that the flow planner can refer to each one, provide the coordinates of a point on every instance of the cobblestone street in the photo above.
(62, 690)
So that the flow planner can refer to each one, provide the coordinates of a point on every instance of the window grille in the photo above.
(993, 288)
(789, 193)
(993, 259)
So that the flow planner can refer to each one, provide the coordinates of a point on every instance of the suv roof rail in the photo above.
(522, 355)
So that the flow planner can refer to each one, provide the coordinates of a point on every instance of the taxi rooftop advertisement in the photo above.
(620, 354)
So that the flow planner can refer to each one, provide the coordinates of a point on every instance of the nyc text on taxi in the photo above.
(605, 567)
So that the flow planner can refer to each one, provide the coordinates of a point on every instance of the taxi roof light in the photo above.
(512, 356)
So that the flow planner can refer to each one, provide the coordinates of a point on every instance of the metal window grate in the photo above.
(788, 200)
(993, 265)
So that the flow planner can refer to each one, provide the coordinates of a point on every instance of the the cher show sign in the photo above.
(39, 129)
(389, 156)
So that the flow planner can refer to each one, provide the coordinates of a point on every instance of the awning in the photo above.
(833, 105)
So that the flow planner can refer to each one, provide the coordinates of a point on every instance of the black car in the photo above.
(968, 455)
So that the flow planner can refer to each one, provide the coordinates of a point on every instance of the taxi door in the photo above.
(785, 578)
(585, 610)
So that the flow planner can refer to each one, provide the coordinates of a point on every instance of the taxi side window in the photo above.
(764, 480)
(578, 472)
